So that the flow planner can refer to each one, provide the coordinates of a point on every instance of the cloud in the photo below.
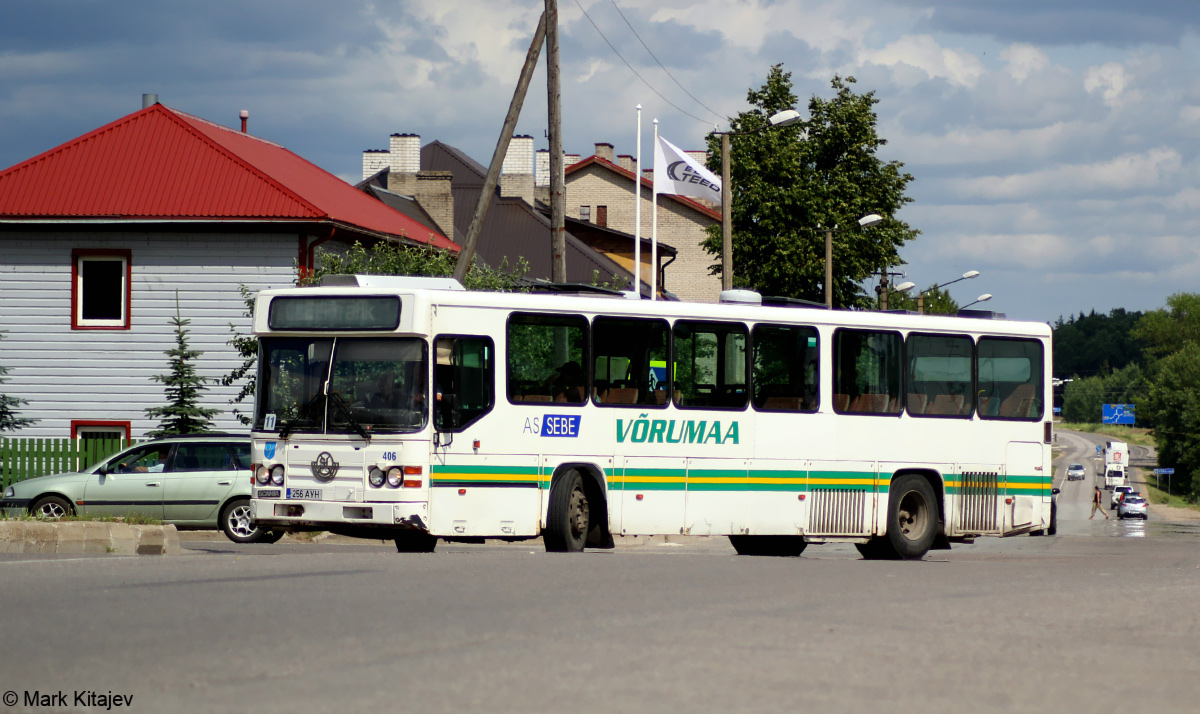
(1024, 60)
(1136, 172)
(1109, 80)
(923, 52)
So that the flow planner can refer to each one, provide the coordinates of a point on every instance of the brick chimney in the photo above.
(541, 175)
(626, 162)
(516, 173)
(404, 155)
(604, 150)
(374, 161)
(433, 194)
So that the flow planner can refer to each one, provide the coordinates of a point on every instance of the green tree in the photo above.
(1174, 404)
(937, 301)
(183, 413)
(789, 183)
(1084, 397)
(9, 420)
(1095, 343)
(381, 259)
(1167, 330)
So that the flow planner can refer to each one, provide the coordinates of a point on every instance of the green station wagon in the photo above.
(194, 481)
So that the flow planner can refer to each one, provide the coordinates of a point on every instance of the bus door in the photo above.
(1025, 485)
(653, 496)
(976, 499)
(841, 498)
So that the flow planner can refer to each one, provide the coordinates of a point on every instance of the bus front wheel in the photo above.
(568, 516)
(912, 517)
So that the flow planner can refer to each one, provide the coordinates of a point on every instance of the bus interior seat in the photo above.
(622, 395)
(784, 403)
(946, 405)
(1018, 402)
(917, 402)
(841, 402)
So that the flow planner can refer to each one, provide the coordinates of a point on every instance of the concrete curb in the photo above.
(82, 537)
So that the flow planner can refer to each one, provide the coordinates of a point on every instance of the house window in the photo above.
(602, 216)
(585, 213)
(100, 289)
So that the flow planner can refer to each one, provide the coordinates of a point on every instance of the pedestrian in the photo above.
(1096, 506)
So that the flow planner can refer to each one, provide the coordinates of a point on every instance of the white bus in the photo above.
(408, 408)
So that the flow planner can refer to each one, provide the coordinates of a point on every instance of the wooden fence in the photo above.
(26, 458)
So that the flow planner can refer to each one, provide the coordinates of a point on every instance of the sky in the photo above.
(1055, 144)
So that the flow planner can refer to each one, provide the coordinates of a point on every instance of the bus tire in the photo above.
(912, 521)
(413, 541)
(567, 520)
(775, 545)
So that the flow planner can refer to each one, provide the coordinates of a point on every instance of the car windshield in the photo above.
(1076, 467)
(1134, 499)
(342, 385)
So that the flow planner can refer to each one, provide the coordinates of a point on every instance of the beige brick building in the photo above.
(601, 191)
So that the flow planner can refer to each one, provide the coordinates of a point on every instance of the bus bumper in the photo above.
(339, 515)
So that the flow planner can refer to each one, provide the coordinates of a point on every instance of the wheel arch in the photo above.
(70, 501)
(595, 489)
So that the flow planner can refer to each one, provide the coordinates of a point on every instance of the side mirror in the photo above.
(1055, 491)
(103, 470)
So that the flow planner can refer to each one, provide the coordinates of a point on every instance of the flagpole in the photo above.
(654, 227)
(637, 211)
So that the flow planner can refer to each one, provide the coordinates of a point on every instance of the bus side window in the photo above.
(547, 358)
(1010, 378)
(785, 368)
(710, 365)
(630, 366)
(940, 374)
(867, 375)
(464, 381)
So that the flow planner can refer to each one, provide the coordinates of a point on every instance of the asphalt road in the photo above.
(1103, 618)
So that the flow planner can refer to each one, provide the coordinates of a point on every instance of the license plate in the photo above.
(308, 494)
(272, 493)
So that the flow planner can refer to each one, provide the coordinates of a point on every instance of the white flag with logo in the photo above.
(677, 173)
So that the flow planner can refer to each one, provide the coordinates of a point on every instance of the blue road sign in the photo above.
(1164, 472)
(1117, 414)
(1098, 448)
(1058, 410)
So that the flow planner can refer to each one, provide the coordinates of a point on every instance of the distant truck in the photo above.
(1116, 462)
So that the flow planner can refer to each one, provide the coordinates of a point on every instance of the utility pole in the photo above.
(726, 218)
(558, 229)
(493, 174)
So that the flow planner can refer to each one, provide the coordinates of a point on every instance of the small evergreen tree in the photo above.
(183, 414)
(9, 421)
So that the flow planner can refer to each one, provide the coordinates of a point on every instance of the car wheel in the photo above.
(237, 526)
(1053, 529)
(51, 507)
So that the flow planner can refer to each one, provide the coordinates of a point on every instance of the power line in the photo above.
(660, 64)
(635, 72)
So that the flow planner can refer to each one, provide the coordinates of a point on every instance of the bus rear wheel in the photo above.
(776, 545)
(567, 520)
(912, 517)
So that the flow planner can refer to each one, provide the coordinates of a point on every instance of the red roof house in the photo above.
(101, 235)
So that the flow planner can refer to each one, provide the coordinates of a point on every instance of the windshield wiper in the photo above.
(301, 414)
(341, 405)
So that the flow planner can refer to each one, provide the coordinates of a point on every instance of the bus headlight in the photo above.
(376, 477)
(277, 474)
(395, 477)
(263, 475)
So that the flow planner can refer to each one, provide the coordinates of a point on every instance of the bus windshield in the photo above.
(374, 385)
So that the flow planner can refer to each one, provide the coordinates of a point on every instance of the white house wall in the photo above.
(105, 375)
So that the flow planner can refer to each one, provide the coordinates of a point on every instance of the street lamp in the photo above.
(783, 118)
(865, 222)
(982, 298)
(965, 276)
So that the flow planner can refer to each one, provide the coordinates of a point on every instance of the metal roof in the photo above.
(159, 164)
